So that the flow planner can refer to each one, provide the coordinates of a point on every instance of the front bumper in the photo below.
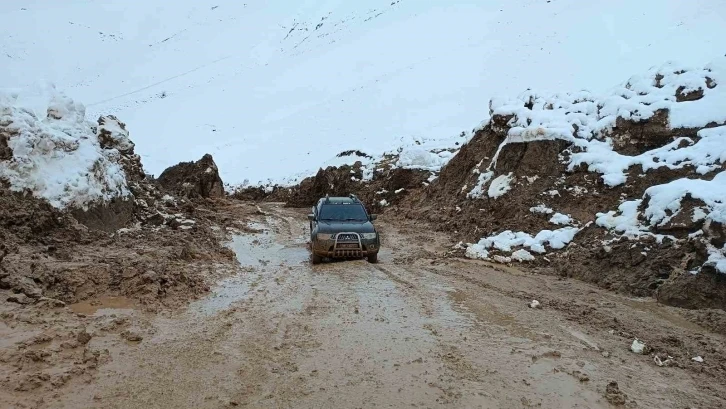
(348, 248)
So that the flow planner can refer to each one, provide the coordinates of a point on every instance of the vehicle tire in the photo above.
(315, 259)
(373, 258)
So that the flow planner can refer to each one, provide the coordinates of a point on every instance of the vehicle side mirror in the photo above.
(311, 217)
(374, 216)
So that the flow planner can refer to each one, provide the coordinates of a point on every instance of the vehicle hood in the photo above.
(344, 226)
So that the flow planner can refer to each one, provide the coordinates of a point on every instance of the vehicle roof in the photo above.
(338, 200)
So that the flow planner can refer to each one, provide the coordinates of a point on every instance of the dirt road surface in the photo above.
(416, 330)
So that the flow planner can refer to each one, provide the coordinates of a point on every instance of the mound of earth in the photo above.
(388, 185)
(198, 179)
(80, 219)
(624, 189)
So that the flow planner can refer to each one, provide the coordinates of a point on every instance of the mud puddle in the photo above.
(102, 305)
(257, 253)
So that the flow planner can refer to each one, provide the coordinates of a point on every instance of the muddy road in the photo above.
(418, 329)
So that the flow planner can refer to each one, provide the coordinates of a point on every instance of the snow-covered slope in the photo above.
(275, 88)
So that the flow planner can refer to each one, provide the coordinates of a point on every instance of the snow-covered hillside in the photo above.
(277, 88)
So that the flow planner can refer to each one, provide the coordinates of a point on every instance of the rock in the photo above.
(156, 219)
(638, 347)
(51, 302)
(20, 299)
(614, 395)
(194, 179)
(535, 304)
(83, 337)
(131, 335)
(112, 134)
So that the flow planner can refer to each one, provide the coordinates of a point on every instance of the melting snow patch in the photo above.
(541, 209)
(522, 255)
(500, 185)
(561, 219)
(56, 153)
(506, 240)
(478, 191)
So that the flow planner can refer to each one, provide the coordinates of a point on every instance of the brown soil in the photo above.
(642, 267)
(391, 185)
(419, 329)
(193, 179)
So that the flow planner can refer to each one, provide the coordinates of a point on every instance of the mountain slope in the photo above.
(273, 89)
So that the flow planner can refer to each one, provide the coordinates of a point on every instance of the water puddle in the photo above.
(257, 253)
(91, 307)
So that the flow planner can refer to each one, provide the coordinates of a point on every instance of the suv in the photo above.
(340, 227)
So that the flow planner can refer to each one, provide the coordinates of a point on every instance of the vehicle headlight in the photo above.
(369, 236)
(324, 236)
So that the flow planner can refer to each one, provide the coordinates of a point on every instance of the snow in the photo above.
(664, 203)
(477, 191)
(585, 119)
(290, 93)
(56, 155)
(561, 219)
(501, 185)
(666, 198)
(477, 251)
(507, 240)
(522, 255)
(413, 158)
(541, 209)
(624, 220)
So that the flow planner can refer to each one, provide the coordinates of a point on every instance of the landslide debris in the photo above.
(622, 190)
(192, 180)
(102, 227)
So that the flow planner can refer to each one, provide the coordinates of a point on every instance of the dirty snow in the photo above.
(507, 240)
(522, 255)
(541, 209)
(561, 219)
(500, 185)
(56, 154)
(477, 191)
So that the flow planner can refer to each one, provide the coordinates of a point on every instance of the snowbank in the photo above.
(692, 98)
(507, 240)
(56, 154)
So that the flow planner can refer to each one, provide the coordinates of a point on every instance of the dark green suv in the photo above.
(340, 227)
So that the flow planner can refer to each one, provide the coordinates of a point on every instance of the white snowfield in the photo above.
(585, 120)
(273, 89)
(56, 155)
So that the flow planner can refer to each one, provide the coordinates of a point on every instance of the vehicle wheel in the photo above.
(373, 258)
(316, 259)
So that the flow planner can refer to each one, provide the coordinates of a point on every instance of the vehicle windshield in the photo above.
(343, 212)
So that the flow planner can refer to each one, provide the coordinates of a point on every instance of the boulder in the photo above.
(198, 179)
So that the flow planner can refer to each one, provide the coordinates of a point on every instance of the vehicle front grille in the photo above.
(348, 237)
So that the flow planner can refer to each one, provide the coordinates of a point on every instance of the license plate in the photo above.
(348, 246)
